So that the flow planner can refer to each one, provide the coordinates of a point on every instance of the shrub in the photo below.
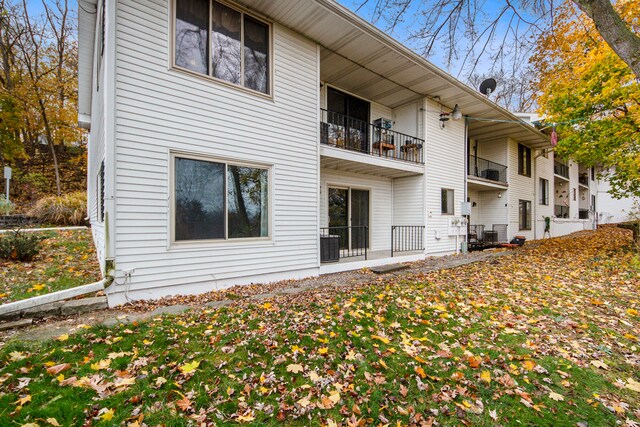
(6, 207)
(70, 209)
(19, 246)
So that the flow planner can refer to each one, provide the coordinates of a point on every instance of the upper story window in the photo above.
(524, 160)
(230, 45)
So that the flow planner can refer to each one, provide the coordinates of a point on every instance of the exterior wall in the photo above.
(610, 210)
(520, 188)
(496, 151)
(543, 169)
(494, 209)
(380, 202)
(159, 110)
(97, 142)
(408, 201)
(445, 168)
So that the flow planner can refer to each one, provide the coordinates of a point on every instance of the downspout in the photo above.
(465, 171)
(424, 176)
(534, 202)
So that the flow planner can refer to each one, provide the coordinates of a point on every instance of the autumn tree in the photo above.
(592, 95)
(38, 82)
(491, 38)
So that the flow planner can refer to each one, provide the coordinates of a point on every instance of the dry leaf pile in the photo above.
(545, 336)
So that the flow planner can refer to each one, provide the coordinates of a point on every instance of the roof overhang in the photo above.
(358, 57)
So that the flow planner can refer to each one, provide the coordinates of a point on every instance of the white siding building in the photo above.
(276, 140)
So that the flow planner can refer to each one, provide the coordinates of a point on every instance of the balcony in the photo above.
(583, 179)
(486, 169)
(347, 133)
(560, 169)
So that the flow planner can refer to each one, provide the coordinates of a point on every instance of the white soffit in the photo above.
(361, 59)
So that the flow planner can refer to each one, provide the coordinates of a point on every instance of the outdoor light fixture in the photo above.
(499, 195)
(456, 114)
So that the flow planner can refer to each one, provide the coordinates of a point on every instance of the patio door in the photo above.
(349, 117)
(349, 216)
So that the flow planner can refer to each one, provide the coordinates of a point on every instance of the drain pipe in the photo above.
(64, 294)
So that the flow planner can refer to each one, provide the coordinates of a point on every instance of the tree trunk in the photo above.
(614, 31)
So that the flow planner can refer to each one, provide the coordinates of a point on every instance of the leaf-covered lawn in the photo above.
(67, 259)
(548, 336)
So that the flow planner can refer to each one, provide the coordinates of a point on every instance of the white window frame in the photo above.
(450, 203)
(243, 11)
(225, 240)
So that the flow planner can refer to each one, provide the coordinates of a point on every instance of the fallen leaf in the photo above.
(187, 368)
(295, 368)
(56, 369)
(556, 396)
(633, 385)
(599, 364)
(486, 377)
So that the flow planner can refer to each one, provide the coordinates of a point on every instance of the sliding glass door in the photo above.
(349, 217)
(349, 121)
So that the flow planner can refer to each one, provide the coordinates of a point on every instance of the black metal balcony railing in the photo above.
(407, 238)
(583, 179)
(338, 130)
(487, 169)
(561, 211)
(583, 213)
(560, 169)
(343, 242)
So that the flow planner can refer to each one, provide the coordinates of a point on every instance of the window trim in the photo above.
(529, 211)
(453, 201)
(544, 191)
(521, 164)
(173, 243)
(243, 11)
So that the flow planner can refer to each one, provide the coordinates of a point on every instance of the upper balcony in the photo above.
(486, 174)
(560, 169)
(359, 146)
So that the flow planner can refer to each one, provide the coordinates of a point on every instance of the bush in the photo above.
(70, 209)
(6, 207)
(19, 246)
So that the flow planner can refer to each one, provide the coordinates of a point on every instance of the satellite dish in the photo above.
(487, 86)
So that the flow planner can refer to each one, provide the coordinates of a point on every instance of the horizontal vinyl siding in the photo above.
(95, 155)
(408, 201)
(520, 188)
(543, 169)
(380, 202)
(445, 168)
(160, 110)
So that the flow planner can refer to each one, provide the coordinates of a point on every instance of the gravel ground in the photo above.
(51, 327)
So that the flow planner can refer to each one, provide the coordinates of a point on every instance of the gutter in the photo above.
(64, 294)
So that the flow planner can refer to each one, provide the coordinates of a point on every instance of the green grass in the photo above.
(401, 352)
(67, 259)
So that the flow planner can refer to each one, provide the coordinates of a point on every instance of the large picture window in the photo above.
(218, 200)
(231, 46)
